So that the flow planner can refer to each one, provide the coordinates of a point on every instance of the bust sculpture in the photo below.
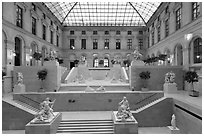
(46, 111)
(170, 77)
(123, 110)
(173, 121)
(19, 78)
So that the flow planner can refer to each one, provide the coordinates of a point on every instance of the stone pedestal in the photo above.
(170, 87)
(20, 88)
(51, 63)
(130, 126)
(48, 127)
(173, 130)
(137, 63)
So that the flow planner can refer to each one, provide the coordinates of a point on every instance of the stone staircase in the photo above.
(86, 126)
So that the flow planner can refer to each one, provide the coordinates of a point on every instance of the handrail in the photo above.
(140, 105)
(30, 99)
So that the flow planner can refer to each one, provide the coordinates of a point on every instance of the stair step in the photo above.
(84, 127)
(73, 125)
(85, 130)
(85, 121)
(103, 132)
(26, 106)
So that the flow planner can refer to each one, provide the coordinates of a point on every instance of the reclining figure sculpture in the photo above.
(46, 111)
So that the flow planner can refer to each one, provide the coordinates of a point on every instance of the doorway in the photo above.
(17, 59)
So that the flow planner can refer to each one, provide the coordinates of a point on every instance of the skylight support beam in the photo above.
(138, 13)
(69, 12)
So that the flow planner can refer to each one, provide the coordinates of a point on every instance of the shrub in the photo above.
(37, 55)
(145, 75)
(42, 74)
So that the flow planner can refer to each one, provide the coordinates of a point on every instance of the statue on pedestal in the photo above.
(19, 78)
(170, 77)
(137, 58)
(173, 121)
(46, 111)
(124, 110)
(136, 54)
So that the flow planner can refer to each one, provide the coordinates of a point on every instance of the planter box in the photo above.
(51, 63)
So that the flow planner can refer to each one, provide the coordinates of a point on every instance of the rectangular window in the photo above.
(106, 45)
(158, 18)
(83, 32)
(19, 17)
(83, 43)
(71, 32)
(152, 38)
(44, 16)
(51, 23)
(129, 32)
(141, 32)
(152, 24)
(95, 32)
(95, 44)
(195, 10)
(33, 7)
(57, 28)
(33, 26)
(106, 32)
(51, 37)
(117, 44)
(72, 45)
(44, 32)
(57, 40)
(117, 32)
(129, 44)
(167, 28)
(159, 33)
(178, 19)
(140, 43)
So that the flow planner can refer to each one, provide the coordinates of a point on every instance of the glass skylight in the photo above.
(103, 13)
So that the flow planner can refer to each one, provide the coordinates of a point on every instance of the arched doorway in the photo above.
(106, 62)
(197, 50)
(178, 55)
(18, 52)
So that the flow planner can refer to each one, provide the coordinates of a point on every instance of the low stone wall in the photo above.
(30, 79)
(88, 101)
(156, 80)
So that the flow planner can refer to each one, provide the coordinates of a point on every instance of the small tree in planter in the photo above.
(145, 75)
(191, 77)
(42, 74)
(37, 56)
(101, 62)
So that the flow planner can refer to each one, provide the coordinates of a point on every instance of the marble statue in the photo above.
(136, 54)
(46, 111)
(123, 110)
(173, 121)
(19, 78)
(101, 88)
(170, 77)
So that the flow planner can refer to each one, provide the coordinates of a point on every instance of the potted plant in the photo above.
(101, 62)
(37, 56)
(42, 74)
(191, 77)
(76, 62)
(145, 75)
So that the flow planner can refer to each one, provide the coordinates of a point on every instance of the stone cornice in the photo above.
(22, 5)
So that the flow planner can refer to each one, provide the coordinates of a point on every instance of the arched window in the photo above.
(18, 45)
(106, 62)
(95, 62)
(197, 50)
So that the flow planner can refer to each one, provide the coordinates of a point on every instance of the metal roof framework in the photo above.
(103, 13)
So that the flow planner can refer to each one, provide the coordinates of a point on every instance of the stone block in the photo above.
(173, 130)
(170, 87)
(20, 88)
(125, 127)
(44, 128)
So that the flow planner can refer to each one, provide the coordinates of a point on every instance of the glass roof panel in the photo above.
(103, 13)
